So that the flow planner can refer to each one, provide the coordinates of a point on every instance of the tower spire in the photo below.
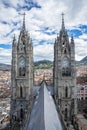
(24, 21)
(14, 40)
(14, 37)
(14, 45)
(72, 40)
(63, 25)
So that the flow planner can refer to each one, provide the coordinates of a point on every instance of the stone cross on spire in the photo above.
(63, 26)
(24, 21)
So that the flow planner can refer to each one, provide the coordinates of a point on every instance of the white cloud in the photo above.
(84, 37)
(80, 48)
(42, 52)
(5, 56)
(49, 15)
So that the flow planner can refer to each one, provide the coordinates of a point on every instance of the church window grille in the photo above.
(66, 72)
(22, 71)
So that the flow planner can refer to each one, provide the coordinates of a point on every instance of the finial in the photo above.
(14, 37)
(31, 40)
(72, 36)
(72, 40)
(55, 40)
(63, 26)
(14, 41)
(57, 36)
(24, 21)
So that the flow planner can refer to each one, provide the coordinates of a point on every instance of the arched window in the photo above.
(24, 47)
(65, 64)
(66, 92)
(65, 51)
(23, 71)
(21, 92)
(22, 66)
(63, 43)
(21, 114)
(66, 112)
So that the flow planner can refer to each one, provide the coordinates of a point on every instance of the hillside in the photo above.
(82, 62)
(5, 67)
(43, 64)
(46, 64)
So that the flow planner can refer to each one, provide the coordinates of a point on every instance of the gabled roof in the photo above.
(44, 115)
(37, 88)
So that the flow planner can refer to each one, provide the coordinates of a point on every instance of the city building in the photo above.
(82, 122)
(82, 93)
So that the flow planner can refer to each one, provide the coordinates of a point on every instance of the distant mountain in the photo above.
(82, 62)
(5, 67)
(43, 64)
(48, 64)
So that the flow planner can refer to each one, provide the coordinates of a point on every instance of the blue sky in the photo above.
(43, 22)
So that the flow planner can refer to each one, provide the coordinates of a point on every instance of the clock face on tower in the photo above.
(21, 62)
(65, 63)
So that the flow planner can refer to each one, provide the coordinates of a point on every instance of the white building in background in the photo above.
(82, 93)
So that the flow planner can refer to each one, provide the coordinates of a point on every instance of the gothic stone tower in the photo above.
(21, 75)
(64, 73)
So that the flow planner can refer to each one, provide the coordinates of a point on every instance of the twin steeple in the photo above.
(24, 27)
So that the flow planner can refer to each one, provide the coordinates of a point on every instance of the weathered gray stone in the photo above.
(64, 74)
(21, 77)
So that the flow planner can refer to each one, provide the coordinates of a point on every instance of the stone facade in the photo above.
(64, 74)
(21, 76)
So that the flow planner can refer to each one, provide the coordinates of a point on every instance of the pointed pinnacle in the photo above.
(14, 41)
(14, 38)
(72, 37)
(24, 21)
(57, 36)
(72, 40)
(63, 26)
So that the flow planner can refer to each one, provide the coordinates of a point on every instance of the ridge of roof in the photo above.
(44, 115)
